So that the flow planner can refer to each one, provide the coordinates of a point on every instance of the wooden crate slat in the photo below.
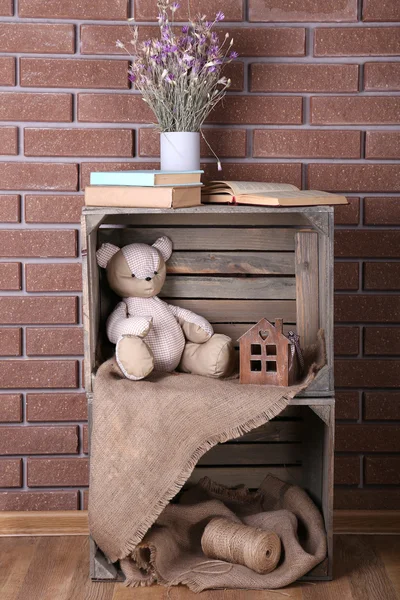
(175, 218)
(250, 263)
(212, 238)
(240, 311)
(307, 288)
(251, 477)
(248, 288)
(235, 330)
(252, 454)
(274, 431)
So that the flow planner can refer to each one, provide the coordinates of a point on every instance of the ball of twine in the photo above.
(236, 543)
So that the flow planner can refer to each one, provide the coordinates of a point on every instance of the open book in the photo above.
(265, 194)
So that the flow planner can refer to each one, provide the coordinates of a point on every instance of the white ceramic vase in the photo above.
(180, 151)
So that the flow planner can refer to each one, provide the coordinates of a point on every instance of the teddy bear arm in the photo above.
(196, 328)
(120, 324)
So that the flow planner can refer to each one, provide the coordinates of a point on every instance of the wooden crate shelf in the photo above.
(235, 265)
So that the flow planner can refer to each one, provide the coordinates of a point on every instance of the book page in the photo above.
(255, 187)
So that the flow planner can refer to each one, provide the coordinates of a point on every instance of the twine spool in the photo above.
(236, 543)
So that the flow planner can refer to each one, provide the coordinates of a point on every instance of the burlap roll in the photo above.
(242, 545)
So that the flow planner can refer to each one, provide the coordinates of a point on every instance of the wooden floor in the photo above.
(367, 567)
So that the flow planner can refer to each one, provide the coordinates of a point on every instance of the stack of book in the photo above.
(265, 194)
(144, 189)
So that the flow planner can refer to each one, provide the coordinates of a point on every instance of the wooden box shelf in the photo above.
(236, 265)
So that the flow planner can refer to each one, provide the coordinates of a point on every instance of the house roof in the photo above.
(264, 323)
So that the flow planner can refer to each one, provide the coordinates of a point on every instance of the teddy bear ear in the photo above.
(105, 253)
(164, 246)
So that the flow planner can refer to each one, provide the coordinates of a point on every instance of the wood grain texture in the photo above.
(240, 311)
(211, 238)
(231, 263)
(39, 569)
(307, 305)
(233, 288)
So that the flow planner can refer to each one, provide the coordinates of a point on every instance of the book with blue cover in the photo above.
(147, 178)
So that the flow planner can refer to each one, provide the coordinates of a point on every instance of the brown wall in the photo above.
(315, 102)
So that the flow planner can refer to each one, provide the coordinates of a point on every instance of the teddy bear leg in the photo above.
(134, 357)
(214, 358)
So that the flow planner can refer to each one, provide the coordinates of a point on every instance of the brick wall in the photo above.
(315, 102)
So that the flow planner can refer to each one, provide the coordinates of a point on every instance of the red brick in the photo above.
(37, 37)
(302, 10)
(54, 341)
(39, 374)
(382, 76)
(35, 242)
(382, 406)
(78, 142)
(380, 341)
(364, 243)
(39, 500)
(57, 277)
(10, 408)
(41, 310)
(113, 108)
(346, 276)
(10, 472)
(8, 140)
(367, 499)
(382, 470)
(10, 208)
(58, 472)
(347, 341)
(357, 41)
(346, 214)
(85, 440)
(367, 438)
(31, 106)
(53, 209)
(85, 505)
(382, 276)
(338, 110)
(382, 211)
(71, 9)
(280, 77)
(6, 8)
(381, 10)
(372, 373)
(7, 70)
(56, 407)
(354, 178)
(224, 142)
(347, 405)
(347, 470)
(10, 341)
(235, 72)
(10, 276)
(33, 176)
(82, 73)
(146, 10)
(382, 144)
(259, 110)
(39, 439)
(269, 143)
(359, 308)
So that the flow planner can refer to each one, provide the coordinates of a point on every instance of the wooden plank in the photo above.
(198, 238)
(367, 521)
(274, 431)
(15, 557)
(251, 477)
(248, 288)
(21, 523)
(210, 209)
(240, 311)
(388, 549)
(233, 263)
(252, 454)
(307, 298)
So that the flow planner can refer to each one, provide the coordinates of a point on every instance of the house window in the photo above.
(270, 366)
(271, 349)
(256, 349)
(255, 365)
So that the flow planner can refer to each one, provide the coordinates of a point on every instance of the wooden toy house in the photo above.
(265, 355)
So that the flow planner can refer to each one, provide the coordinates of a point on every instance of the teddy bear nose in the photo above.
(148, 278)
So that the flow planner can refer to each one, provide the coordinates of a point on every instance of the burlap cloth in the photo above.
(148, 435)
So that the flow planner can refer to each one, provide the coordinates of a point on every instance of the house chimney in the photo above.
(279, 325)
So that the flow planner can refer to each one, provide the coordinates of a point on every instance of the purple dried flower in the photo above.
(132, 77)
(233, 55)
(185, 28)
(219, 16)
(175, 6)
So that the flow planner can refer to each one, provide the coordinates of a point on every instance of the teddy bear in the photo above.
(150, 334)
